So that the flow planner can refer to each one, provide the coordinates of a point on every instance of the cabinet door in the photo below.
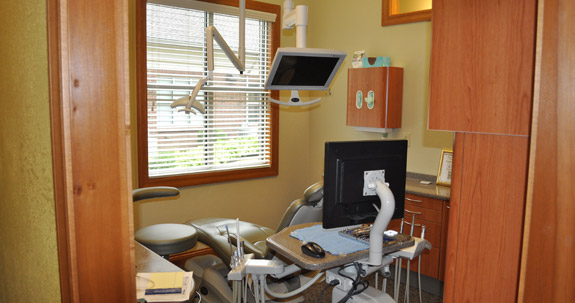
(486, 218)
(386, 85)
(482, 58)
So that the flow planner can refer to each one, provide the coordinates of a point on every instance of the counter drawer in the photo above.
(426, 214)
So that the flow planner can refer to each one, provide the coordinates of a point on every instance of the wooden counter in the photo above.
(149, 261)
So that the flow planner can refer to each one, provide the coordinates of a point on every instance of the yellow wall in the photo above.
(28, 258)
(343, 26)
(336, 25)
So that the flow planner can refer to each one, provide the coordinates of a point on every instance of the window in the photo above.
(236, 138)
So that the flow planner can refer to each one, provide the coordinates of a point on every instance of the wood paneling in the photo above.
(486, 218)
(443, 248)
(89, 83)
(200, 249)
(482, 66)
(549, 244)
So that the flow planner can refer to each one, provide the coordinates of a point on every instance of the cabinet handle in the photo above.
(413, 200)
(447, 206)
(413, 212)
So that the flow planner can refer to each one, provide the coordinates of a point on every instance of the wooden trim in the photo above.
(549, 244)
(443, 249)
(389, 14)
(89, 102)
(454, 214)
(210, 177)
(207, 178)
(66, 259)
(200, 249)
(141, 98)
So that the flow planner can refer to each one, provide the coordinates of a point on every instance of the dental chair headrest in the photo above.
(314, 193)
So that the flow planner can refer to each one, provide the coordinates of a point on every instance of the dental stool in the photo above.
(164, 239)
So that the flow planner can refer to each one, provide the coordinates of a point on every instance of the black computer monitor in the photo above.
(344, 203)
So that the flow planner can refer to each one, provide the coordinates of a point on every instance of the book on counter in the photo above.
(164, 286)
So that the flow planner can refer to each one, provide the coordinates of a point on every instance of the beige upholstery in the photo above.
(167, 239)
(212, 231)
(164, 239)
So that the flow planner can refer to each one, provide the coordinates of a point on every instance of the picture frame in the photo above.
(445, 168)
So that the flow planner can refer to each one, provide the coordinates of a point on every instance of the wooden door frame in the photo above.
(89, 102)
(548, 245)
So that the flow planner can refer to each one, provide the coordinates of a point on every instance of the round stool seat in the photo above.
(167, 239)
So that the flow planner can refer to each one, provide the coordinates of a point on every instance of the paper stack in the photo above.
(164, 286)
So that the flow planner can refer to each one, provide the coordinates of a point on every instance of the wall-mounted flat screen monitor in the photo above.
(303, 68)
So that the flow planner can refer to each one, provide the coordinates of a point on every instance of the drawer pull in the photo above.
(413, 200)
(413, 212)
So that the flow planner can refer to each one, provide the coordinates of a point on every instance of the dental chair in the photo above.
(210, 271)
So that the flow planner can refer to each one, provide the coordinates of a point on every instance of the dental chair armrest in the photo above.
(154, 192)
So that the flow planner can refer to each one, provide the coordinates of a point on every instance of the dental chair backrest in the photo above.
(212, 231)
(308, 209)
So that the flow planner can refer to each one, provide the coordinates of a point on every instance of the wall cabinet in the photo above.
(374, 97)
(482, 56)
(433, 214)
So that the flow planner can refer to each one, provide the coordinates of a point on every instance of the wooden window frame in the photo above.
(144, 179)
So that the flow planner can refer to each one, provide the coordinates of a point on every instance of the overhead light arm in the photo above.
(295, 17)
(212, 35)
(191, 105)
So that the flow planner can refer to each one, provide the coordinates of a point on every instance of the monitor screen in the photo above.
(303, 69)
(344, 168)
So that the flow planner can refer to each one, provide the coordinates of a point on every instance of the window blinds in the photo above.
(234, 133)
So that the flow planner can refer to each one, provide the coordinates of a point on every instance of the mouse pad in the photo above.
(330, 240)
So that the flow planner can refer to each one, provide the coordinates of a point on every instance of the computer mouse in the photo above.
(313, 249)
